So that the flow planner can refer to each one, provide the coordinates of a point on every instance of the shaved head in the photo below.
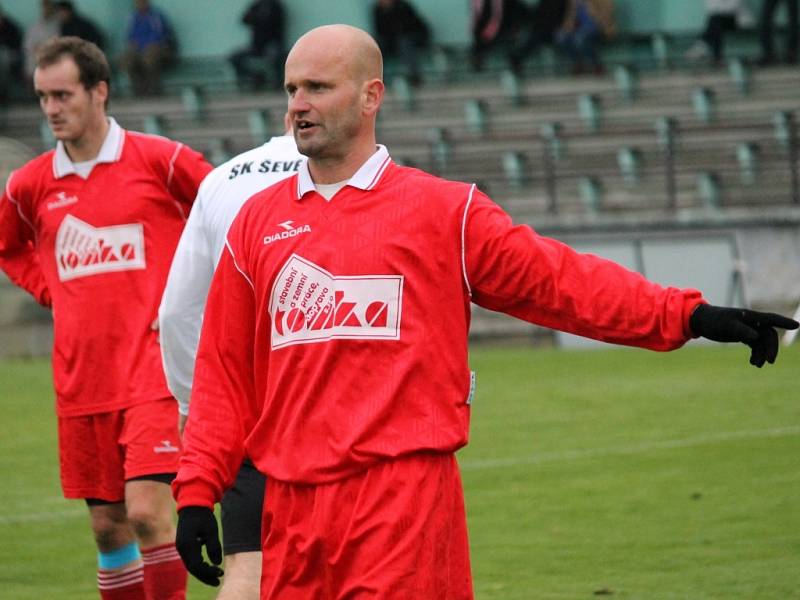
(347, 45)
(334, 83)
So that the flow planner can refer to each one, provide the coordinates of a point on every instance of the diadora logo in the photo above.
(61, 201)
(165, 447)
(85, 250)
(289, 230)
(308, 304)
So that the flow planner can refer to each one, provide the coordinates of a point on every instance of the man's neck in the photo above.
(324, 171)
(88, 146)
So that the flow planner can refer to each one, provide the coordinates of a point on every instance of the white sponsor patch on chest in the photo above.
(82, 249)
(308, 305)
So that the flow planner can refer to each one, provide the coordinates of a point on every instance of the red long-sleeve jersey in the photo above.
(335, 333)
(99, 250)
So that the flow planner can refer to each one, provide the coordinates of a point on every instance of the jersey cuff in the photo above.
(194, 493)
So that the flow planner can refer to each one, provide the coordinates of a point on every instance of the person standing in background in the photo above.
(44, 28)
(10, 55)
(89, 229)
(766, 31)
(151, 47)
(265, 55)
(587, 24)
(401, 33)
(75, 24)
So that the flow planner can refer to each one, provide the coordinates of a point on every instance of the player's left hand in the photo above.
(197, 527)
(756, 329)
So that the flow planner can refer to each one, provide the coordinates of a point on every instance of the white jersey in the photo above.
(221, 195)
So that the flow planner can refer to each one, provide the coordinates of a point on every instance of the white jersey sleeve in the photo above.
(180, 315)
(221, 195)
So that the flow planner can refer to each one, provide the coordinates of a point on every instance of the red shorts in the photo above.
(397, 531)
(98, 453)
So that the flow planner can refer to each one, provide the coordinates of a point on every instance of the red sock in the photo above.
(121, 584)
(164, 573)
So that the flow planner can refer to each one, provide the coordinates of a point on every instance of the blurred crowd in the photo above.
(515, 29)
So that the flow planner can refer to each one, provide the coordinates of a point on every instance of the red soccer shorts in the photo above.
(98, 453)
(396, 531)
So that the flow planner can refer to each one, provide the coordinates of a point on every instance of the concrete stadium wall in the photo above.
(212, 28)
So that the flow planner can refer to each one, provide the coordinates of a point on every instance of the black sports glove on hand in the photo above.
(756, 329)
(197, 527)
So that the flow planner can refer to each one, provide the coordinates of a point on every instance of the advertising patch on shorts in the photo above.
(308, 304)
(82, 249)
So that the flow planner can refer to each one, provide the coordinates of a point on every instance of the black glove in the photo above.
(756, 329)
(197, 527)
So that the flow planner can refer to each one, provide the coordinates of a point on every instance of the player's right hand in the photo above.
(197, 527)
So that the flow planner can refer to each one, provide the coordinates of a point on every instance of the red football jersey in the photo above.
(335, 333)
(99, 249)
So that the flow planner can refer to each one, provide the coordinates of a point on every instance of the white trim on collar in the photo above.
(366, 178)
(110, 151)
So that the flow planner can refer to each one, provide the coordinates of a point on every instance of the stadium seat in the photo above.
(46, 136)
(403, 92)
(476, 115)
(740, 75)
(258, 123)
(552, 135)
(591, 193)
(708, 189)
(590, 111)
(193, 102)
(704, 102)
(660, 47)
(153, 124)
(515, 168)
(630, 164)
(627, 81)
(512, 87)
(440, 146)
(666, 133)
(785, 131)
(218, 151)
(747, 155)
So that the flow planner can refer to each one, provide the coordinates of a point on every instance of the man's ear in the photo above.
(373, 93)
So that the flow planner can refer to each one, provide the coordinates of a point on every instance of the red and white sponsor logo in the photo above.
(83, 250)
(309, 305)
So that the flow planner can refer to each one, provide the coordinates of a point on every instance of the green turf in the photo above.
(621, 473)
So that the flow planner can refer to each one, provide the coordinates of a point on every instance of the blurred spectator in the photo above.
(587, 24)
(722, 16)
(767, 33)
(76, 24)
(46, 27)
(10, 55)
(401, 33)
(151, 47)
(546, 19)
(266, 52)
(495, 22)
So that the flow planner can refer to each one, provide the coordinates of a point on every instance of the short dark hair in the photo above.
(92, 64)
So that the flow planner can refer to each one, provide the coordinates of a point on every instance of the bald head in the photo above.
(334, 86)
(345, 45)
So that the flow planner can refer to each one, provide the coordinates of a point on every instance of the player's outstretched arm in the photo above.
(197, 527)
(756, 329)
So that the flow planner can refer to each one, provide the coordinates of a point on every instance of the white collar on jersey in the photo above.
(366, 178)
(110, 151)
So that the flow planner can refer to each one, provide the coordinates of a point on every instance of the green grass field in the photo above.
(619, 473)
